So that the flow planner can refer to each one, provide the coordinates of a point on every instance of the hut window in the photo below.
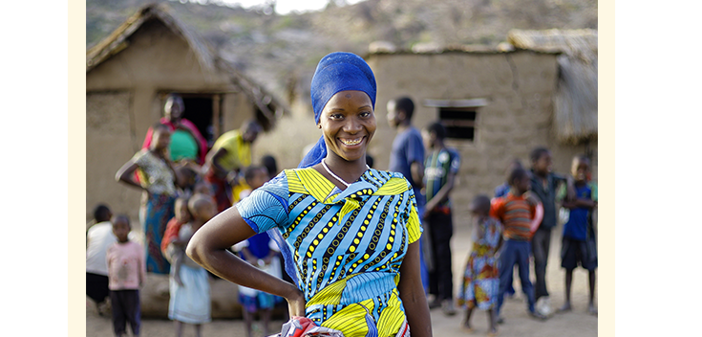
(458, 116)
(459, 122)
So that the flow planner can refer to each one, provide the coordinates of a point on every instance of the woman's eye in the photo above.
(365, 114)
(336, 116)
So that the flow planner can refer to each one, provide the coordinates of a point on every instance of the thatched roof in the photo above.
(575, 102)
(270, 107)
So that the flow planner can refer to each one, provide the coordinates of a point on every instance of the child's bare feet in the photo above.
(492, 332)
(465, 326)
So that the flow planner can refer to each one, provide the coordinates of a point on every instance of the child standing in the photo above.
(579, 244)
(518, 213)
(544, 184)
(172, 247)
(98, 239)
(127, 273)
(190, 299)
(262, 252)
(481, 280)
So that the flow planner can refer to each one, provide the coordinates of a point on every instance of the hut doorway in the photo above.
(202, 110)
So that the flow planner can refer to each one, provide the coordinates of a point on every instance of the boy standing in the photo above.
(127, 273)
(544, 184)
(579, 244)
(99, 238)
(442, 165)
(407, 154)
(517, 213)
(407, 157)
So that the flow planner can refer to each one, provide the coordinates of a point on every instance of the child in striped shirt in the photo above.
(519, 212)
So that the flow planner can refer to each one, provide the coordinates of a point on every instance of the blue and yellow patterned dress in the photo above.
(343, 248)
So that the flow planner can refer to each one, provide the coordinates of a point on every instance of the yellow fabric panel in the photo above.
(318, 186)
(414, 232)
(294, 184)
(392, 187)
(350, 205)
(391, 317)
(351, 320)
(331, 294)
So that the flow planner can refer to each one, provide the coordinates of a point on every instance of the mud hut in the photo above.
(540, 89)
(128, 75)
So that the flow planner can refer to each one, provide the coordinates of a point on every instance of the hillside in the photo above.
(280, 52)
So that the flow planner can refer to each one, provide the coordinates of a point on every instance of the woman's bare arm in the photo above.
(412, 294)
(126, 172)
(208, 247)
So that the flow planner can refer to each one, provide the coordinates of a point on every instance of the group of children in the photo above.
(504, 227)
(110, 242)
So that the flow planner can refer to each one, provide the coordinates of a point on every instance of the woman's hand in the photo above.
(296, 302)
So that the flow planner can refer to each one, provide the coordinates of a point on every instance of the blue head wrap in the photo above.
(336, 72)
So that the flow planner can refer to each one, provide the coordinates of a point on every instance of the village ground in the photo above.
(577, 323)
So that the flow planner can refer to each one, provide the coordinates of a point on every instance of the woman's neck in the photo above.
(348, 171)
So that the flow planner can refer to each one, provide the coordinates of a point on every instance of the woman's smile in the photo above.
(351, 142)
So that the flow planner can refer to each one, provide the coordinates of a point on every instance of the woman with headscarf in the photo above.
(348, 233)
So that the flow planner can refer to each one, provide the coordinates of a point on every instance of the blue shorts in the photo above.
(574, 253)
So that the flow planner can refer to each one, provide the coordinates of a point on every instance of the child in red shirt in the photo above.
(519, 213)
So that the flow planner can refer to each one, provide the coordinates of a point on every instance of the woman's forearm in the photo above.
(209, 248)
(230, 267)
(412, 294)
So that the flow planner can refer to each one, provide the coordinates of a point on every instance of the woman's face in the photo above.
(348, 124)
(174, 110)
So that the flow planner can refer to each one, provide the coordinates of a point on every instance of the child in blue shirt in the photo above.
(579, 244)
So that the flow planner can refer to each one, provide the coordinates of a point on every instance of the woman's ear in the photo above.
(319, 125)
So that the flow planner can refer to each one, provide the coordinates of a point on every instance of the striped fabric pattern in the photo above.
(347, 246)
(515, 213)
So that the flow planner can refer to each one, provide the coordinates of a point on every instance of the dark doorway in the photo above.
(198, 109)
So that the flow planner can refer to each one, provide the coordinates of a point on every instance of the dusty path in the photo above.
(577, 323)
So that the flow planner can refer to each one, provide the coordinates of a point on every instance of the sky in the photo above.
(282, 6)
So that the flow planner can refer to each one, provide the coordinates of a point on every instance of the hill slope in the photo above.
(280, 52)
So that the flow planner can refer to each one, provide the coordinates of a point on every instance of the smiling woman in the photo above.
(347, 232)
(348, 125)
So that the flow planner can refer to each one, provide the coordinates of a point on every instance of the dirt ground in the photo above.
(577, 323)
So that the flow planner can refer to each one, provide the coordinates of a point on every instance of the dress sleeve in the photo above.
(266, 207)
(414, 226)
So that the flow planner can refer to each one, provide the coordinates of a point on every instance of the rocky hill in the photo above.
(280, 51)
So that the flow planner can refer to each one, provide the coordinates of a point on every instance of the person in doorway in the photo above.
(187, 143)
(440, 171)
